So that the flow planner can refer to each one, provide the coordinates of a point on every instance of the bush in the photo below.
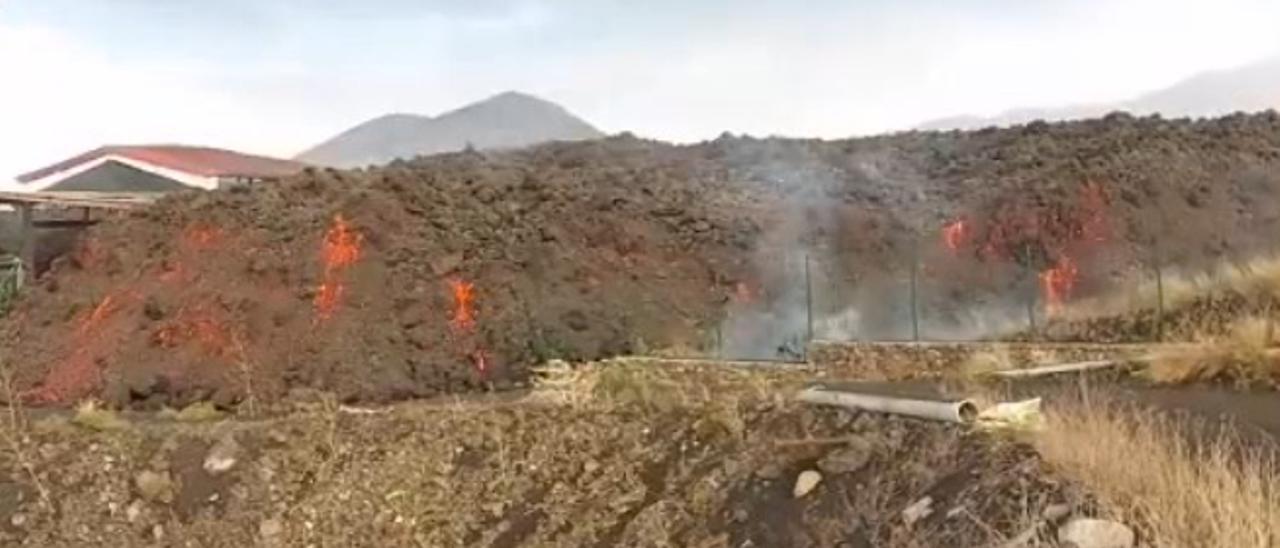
(10, 283)
(1243, 355)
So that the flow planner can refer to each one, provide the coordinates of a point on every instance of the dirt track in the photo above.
(457, 272)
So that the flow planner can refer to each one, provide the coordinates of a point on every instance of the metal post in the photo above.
(1031, 305)
(1159, 303)
(26, 223)
(720, 340)
(915, 283)
(1032, 287)
(808, 298)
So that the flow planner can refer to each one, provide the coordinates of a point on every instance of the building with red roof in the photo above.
(156, 168)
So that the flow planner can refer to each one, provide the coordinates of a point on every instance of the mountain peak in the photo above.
(507, 120)
(512, 96)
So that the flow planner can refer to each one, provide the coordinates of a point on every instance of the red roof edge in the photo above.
(201, 161)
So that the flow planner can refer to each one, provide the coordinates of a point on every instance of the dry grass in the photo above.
(17, 435)
(655, 383)
(716, 395)
(1242, 355)
(985, 362)
(1255, 279)
(202, 411)
(91, 415)
(1176, 489)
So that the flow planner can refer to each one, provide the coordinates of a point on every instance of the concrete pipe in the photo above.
(963, 411)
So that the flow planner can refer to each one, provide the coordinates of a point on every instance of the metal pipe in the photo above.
(963, 411)
(1076, 367)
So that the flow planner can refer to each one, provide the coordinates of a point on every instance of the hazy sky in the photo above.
(276, 76)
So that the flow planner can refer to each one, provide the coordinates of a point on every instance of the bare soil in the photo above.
(611, 467)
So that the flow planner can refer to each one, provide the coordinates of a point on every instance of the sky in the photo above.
(278, 76)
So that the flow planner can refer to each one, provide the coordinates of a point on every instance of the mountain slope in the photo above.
(507, 120)
(1251, 88)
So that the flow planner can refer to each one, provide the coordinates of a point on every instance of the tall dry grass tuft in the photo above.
(987, 361)
(1258, 278)
(1242, 355)
(1178, 486)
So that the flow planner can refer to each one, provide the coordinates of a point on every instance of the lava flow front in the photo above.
(1057, 282)
(463, 321)
(340, 250)
(955, 234)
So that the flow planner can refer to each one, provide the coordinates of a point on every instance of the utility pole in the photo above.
(808, 297)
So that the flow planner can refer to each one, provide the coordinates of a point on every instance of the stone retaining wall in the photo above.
(905, 360)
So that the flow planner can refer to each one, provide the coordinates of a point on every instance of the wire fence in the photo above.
(12, 273)
(936, 286)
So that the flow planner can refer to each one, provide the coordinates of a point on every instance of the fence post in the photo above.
(915, 283)
(808, 301)
(26, 224)
(1031, 305)
(1033, 288)
(1159, 302)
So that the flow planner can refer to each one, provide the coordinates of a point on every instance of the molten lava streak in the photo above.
(202, 328)
(78, 374)
(955, 234)
(1057, 282)
(463, 321)
(464, 314)
(340, 250)
(198, 237)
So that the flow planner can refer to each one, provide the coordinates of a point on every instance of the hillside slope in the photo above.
(508, 120)
(1252, 88)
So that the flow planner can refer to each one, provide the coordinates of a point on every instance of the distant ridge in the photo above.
(506, 120)
(1252, 88)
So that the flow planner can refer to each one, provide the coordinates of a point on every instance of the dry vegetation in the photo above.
(1257, 280)
(635, 452)
(90, 414)
(1179, 485)
(1243, 356)
(986, 362)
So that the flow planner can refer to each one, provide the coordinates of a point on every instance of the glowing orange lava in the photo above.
(744, 293)
(201, 237)
(201, 327)
(340, 250)
(327, 298)
(1057, 282)
(463, 324)
(99, 313)
(464, 314)
(955, 234)
(78, 374)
